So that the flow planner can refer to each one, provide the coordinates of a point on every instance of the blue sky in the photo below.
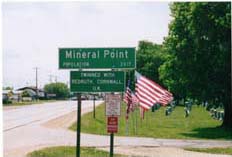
(33, 32)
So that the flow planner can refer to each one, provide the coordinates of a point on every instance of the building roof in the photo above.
(30, 87)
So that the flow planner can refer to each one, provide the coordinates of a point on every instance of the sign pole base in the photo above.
(111, 145)
(78, 148)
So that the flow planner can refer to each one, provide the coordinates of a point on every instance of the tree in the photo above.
(170, 76)
(149, 57)
(7, 88)
(199, 43)
(60, 89)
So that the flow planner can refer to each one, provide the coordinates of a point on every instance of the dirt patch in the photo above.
(65, 121)
(62, 122)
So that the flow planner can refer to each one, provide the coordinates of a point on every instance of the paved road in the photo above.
(34, 127)
(22, 126)
(31, 114)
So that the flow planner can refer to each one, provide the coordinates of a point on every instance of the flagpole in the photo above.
(136, 119)
(136, 105)
(134, 116)
(132, 122)
(145, 118)
(127, 118)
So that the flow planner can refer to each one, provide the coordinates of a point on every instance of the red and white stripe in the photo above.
(148, 92)
(127, 97)
(128, 101)
(135, 100)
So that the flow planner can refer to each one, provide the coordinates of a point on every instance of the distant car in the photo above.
(90, 97)
(73, 98)
(83, 97)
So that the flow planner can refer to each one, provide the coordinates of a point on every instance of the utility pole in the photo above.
(56, 79)
(36, 80)
(50, 78)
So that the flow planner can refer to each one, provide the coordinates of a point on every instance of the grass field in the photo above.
(199, 125)
(212, 150)
(68, 151)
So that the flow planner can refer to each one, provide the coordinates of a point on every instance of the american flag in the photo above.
(128, 99)
(128, 96)
(134, 102)
(148, 92)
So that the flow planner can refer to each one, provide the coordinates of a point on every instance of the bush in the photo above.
(6, 101)
(60, 89)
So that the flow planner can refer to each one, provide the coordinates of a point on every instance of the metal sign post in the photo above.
(111, 144)
(112, 112)
(94, 106)
(78, 138)
(98, 81)
(112, 127)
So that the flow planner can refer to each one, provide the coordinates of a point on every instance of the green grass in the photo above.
(15, 103)
(212, 150)
(68, 151)
(199, 125)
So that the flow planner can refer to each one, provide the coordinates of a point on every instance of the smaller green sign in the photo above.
(97, 81)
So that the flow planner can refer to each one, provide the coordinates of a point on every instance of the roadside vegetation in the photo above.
(15, 103)
(60, 90)
(199, 124)
(212, 150)
(27, 95)
(69, 151)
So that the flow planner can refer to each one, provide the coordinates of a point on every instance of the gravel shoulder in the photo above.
(61, 122)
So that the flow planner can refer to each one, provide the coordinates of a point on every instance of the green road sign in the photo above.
(97, 81)
(97, 58)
